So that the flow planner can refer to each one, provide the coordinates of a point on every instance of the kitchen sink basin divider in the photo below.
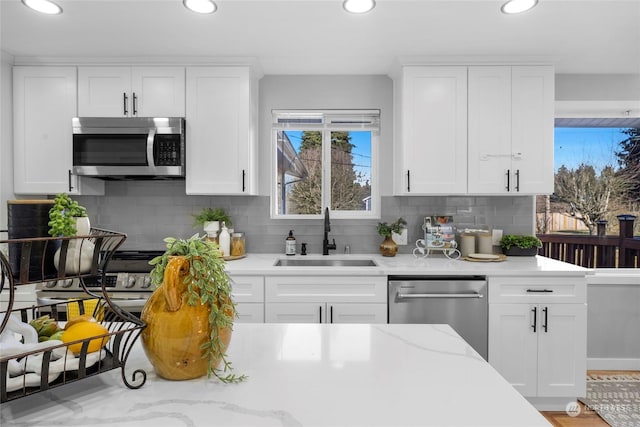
(55, 365)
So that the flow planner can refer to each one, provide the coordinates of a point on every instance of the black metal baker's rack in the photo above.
(32, 261)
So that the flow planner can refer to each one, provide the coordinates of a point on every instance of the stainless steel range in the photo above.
(128, 283)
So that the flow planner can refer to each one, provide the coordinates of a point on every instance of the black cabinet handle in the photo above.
(125, 100)
(545, 311)
(320, 313)
(135, 104)
(331, 314)
(70, 186)
(508, 177)
(540, 290)
(244, 174)
(518, 180)
(408, 181)
(535, 318)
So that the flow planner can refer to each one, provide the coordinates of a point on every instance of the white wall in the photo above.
(6, 137)
(326, 92)
(593, 87)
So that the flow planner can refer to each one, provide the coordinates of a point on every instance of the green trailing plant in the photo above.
(208, 283)
(211, 214)
(62, 216)
(385, 229)
(519, 241)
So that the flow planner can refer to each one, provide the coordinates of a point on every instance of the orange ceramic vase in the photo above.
(176, 330)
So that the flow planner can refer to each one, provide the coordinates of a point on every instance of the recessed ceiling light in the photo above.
(43, 6)
(358, 6)
(200, 6)
(518, 6)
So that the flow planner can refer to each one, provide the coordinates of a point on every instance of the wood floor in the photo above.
(586, 418)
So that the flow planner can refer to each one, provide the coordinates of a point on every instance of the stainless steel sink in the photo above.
(325, 263)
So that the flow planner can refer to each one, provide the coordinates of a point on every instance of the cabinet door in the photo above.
(24, 296)
(532, 124)
(513, 348)
(219, 130)
(104, 91)
(44, 104)
(357, 313)
(433, 138)
(562, 349)
(490, 130)
(250, 312)
(158, 91)
(295, 312)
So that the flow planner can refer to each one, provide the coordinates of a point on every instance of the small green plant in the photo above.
(62, 214)
(211, 214)
(385, 229)
(208, 284)
(519, 241)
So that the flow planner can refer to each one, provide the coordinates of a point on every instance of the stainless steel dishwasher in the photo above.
(460, 301)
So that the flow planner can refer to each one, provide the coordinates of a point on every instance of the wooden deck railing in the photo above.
(622, 251)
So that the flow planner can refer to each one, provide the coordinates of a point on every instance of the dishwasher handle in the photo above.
(426, 296)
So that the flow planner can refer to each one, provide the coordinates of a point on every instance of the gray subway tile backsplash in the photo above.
(149, 211)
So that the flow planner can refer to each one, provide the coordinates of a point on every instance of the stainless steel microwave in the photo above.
(129, 148)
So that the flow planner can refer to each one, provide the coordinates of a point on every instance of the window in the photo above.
(325, 159)
(597, 172)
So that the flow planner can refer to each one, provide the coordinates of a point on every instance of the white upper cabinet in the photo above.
(221, 120)
(510, 135)
(431, 131)
(473, 130)
(44, 101)
(131, 91)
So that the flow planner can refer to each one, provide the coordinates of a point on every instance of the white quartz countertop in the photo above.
(404, 264)
(302, 375)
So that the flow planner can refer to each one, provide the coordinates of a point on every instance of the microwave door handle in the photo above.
(150, 138)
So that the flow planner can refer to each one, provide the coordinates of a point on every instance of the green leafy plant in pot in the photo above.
(520, 245)
(68, 218)
(190, 314)
(389, 247)
(211, 219)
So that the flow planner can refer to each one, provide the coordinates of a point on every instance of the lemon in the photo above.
(82, 331)
(77, 319)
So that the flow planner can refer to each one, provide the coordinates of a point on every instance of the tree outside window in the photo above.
(325, 167)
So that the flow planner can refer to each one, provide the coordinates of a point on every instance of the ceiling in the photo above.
(318, 37)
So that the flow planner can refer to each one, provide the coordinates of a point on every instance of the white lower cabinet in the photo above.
(320, 312)
(538, 344)
(326, 299)
(248, 294)
(24, 296)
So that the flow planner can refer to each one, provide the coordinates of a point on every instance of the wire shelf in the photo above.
(41, 366)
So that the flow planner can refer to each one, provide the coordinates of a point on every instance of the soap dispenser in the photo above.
(290, 244)
(224, 240)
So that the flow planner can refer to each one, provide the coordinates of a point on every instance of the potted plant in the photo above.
(68, 218)
(520, 245)
(210, 219)
(389, 247)
(190, 315)
(63, 217)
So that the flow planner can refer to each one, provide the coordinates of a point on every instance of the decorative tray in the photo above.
(485, 257)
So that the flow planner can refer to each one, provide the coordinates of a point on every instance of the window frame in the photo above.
(329, 121)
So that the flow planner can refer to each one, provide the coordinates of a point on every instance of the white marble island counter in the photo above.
(302, 375)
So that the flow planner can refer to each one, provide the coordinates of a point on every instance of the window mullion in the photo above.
(326, 169)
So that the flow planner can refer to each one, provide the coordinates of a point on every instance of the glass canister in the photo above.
(237, 244)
